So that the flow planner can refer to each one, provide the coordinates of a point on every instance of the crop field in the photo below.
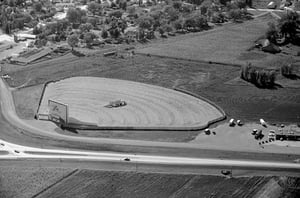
(26, 182)
(91, 183)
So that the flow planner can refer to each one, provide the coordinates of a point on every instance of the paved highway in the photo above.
(15, 151)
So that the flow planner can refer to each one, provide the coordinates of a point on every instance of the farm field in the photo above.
(94, 183)
(26, 182)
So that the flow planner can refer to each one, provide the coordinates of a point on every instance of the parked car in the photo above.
(272, 135)
(231, 122)
(259, 135)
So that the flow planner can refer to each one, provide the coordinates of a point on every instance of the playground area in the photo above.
(112, 103)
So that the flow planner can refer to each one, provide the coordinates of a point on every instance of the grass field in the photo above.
(32, 96)
(226, 44)
(248, 103)
(93, 183)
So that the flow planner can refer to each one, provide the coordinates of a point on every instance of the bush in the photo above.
(235, 14)
(218, 17)
(198, 22)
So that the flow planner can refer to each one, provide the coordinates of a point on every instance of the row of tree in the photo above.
(258, 76)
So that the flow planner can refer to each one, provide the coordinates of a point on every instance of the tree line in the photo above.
(258, 76)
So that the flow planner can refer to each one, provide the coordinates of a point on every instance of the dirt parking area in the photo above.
(240, 138)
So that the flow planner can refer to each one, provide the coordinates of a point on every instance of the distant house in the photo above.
(131, 33)
(25, 36)
(262, 3)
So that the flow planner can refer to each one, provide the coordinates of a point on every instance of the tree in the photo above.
(200, 22)
(131, 10)
(235, 14)
(86, 27)
(257, 76)
(93, 21)
(167, 28)
(123, 5)
(37, 6)
(114, 32)
(177, 5)
(145, 23)
(11, 3)
(178, 24)
(36, 30)
(73, 40)
(272, 33)
(161, 31)
(94, 7)
(288, 25)
(89, 38)
(118, 14)
(190, 22)
(75, 15)
(287, 70)
(27, 18)
(104, 34)
(171, 13)
(18, 23)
